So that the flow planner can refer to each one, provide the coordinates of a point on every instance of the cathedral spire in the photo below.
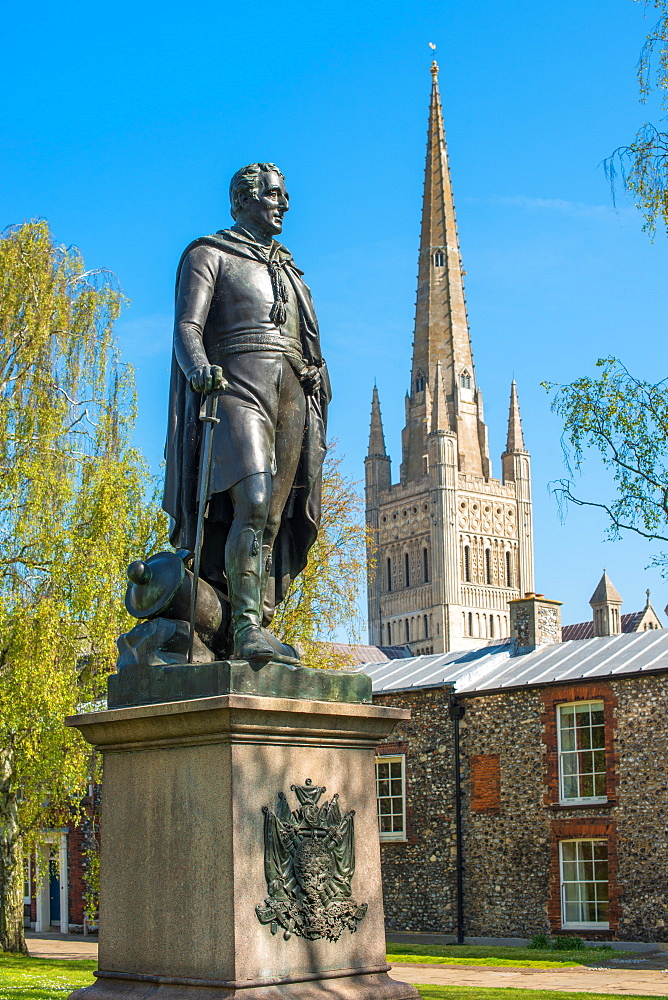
(441, 326)
(376, 435)
(515, 440)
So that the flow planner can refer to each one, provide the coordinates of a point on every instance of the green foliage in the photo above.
(560, 943)
(92, 883)
(625, 419)
(643, 165)
(563, 943)
(539, 941)
(324, 597)
(76, 505)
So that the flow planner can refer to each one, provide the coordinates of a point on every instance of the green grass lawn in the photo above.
(48, 979)
(476, 993)
(41, 978)
(471, 954)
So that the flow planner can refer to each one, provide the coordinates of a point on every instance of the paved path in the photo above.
(643, 982)
(61, 946)
(579, 979)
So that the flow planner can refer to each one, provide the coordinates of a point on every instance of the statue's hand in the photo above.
(207, 378)
(310, 380)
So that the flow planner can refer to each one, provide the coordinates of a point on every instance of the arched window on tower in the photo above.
(420, 382)
(426, 627)
(439, 258)
(389, 633)
(488, 566)
(389, 574)
(407, 569)
(509, 568)
(470, 623)
(467, 563)
(425, 565)
(465, 379)
(491, 626)
(408, 631)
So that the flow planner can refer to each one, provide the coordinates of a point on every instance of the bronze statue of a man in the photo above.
(246, 329)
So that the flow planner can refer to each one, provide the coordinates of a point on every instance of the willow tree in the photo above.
(324, 599)
(76, 505)
(643, 164)
(625, 420)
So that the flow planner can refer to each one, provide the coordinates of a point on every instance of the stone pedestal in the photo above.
(187, 786)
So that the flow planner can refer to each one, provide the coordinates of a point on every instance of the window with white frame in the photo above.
(584, 883)
(391, 797)
(581, 742)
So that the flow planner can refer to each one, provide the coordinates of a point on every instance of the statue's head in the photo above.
(258, 198)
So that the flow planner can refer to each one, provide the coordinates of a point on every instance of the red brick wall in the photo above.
(76, 845)
(486, 783)
(577, 692)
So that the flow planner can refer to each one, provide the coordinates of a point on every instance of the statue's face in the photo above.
(266, 211)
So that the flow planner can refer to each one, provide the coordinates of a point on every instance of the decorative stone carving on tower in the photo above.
(606, 605)
(451, 544)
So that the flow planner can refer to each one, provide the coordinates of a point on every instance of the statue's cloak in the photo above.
(301, 516)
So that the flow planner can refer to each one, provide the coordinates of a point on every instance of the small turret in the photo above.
(515, 439)
(516, 468)
(376, 435)
(606, 604)
(378, 473)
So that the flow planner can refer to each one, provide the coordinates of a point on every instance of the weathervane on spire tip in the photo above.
(434, 65)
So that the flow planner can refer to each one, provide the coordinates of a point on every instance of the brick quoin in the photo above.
(584, 829)
(563, 695)
(486, 783)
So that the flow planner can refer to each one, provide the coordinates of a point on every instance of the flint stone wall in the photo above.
(510, 853)
(419, 874)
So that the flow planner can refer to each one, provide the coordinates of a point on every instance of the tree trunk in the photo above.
(11, 862)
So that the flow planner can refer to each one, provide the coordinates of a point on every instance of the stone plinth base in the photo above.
(372, 985)
(213, 811)
(146, 685)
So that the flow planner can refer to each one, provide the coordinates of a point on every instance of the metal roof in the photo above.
(369, 654)
(494, 667)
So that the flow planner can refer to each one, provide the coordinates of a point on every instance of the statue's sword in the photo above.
(208, 418)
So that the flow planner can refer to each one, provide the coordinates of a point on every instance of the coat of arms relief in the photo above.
(309, 863)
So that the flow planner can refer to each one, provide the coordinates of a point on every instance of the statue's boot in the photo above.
(284, 652)
(243, 557)
(267, 586)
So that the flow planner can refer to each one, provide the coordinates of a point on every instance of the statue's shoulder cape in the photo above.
(239, 246)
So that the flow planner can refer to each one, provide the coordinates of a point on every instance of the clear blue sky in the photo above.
(123, 123)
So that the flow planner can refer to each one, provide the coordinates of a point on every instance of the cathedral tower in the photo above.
(452, 545)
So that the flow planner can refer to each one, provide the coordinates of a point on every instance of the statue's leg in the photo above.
(243, 561)
(289, 436)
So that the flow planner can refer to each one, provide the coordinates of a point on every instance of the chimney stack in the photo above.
(535, 621)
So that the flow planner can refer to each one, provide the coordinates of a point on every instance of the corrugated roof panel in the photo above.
(495, 668)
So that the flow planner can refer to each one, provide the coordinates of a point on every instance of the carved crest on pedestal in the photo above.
(309, 862)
